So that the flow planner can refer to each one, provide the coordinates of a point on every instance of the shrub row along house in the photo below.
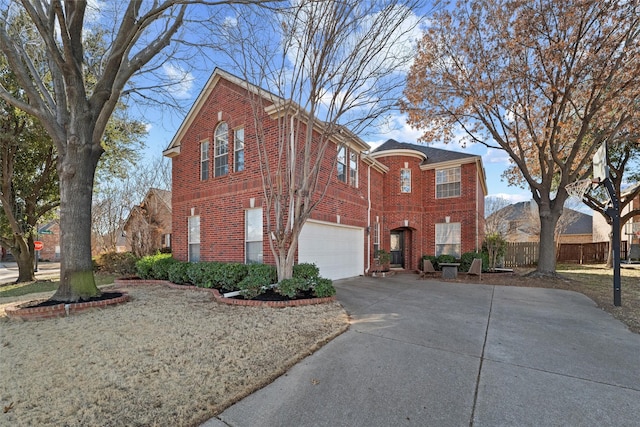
(408, 199)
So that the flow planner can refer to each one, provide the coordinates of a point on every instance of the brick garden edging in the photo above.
(229, 301)
(59, 310)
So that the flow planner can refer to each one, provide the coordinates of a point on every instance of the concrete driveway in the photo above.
(426, 353)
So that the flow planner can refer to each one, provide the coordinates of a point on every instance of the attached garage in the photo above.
(337, 250)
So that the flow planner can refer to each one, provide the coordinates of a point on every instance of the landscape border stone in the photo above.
(19, 311)
(229, 301)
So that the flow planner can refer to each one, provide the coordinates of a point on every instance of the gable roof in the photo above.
(278, 107)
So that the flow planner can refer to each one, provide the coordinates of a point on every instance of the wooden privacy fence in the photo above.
(519, 254)
(522, 254)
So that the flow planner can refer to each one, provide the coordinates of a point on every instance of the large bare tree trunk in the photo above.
(76, 170)
(547, 248)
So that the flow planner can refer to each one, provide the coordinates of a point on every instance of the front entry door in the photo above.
(397, 246)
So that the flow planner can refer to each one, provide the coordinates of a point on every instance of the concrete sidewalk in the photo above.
(426, 353)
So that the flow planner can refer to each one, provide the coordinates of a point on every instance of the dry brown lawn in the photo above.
(175, 357)
(167, 357)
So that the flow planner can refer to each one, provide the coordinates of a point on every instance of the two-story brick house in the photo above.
(408, 199)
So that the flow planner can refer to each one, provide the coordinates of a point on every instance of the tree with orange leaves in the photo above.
(546, 81)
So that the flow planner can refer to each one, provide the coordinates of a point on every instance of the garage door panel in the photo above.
(338, 251)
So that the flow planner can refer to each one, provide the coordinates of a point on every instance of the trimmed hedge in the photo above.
(251, 280)
(468, 257)
(144, 266)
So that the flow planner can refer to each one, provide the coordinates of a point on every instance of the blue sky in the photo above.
(164, 124)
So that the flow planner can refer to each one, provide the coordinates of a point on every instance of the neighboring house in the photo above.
(49, 235)
(148, 227)
(521, 223)
(408, 199)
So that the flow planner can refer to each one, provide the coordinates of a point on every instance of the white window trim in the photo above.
(353, 171)
(376, 239)
(192, 238)
(459, 173)
(402, 180)
(204, 160)
(448, 233)
(345, 162)
(247, 239)
(219, 136)
(236, 150)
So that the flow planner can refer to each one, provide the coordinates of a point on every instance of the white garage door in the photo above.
(337, 250)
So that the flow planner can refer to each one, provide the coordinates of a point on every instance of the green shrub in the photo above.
(258, 276)
(144, 267)
(444, 259)
(306, 271)
(197, 273)
(467, 258)
(324, 288)
(121, 263)
(178, 273)
(227, 276)
(291, 287)
(161, 265)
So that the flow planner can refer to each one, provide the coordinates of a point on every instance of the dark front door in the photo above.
(397, 245)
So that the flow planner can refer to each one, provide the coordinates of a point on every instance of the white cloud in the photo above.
(181, 81)
(494, 156)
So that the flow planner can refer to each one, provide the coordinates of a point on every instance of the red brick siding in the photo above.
(221, 201)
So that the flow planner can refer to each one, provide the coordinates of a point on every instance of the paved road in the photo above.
(426, 353)
(46, 270)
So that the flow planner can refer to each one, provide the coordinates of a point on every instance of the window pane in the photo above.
(353, 168)
(448, 183)
(204, 160)
(253, 235)
(221, 148)
(448, 239)
(238, 139)
(254, 225)
(254, 252)
(405, 180)
(221, 165)
(194, 229)
(342, 164)
(194, 252)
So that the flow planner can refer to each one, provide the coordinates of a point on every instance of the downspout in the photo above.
(368, 220)
(292, 169)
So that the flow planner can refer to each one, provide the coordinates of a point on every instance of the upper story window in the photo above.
(204, 160)
(347, 166)
(405, 180)
(448, 183)
(342, 164)
(238, 154)
(353, 168)
(221, 147)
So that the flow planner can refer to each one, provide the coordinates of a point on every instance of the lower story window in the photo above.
(194, 238)
(448, 239)
(253, 236)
